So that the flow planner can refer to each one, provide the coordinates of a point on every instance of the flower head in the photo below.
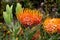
(29, 17)
(52, 25)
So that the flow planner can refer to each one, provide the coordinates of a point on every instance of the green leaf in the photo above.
(18, 8)
(8, 17)
(9, 11)
(17, 25)
(16, 28)
(20, 38)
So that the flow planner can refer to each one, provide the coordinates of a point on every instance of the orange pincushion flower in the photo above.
(51, 25)
(29, 17)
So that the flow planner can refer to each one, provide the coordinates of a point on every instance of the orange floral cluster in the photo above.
(29, 17)
(52, 25)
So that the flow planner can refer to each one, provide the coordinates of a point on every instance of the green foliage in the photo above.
(8, 17)
(19, 8)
